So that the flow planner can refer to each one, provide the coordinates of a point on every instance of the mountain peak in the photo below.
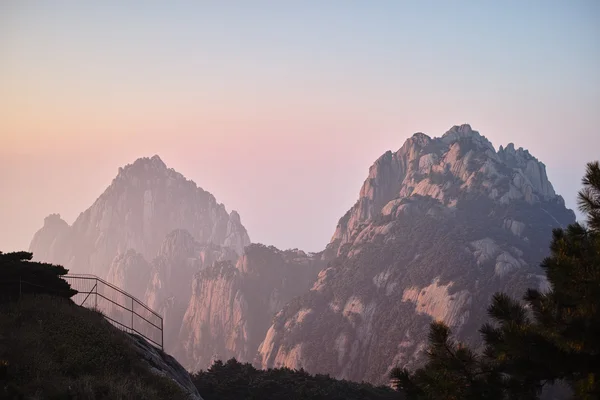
(521, 153)
(234, 216)
(142, 165)
(149, 173)
(464, 132)
(450, 168)
(421, 139)
(54, 220)
(464, 129)
(144, 203)
(155, 160)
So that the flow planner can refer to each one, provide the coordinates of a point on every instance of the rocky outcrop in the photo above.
(436, 301)
(144, 203)
(52, 241)
(170, 276)
(232, 304)
(130, 271)
(162, 364)
(439, 226)
(531, 172)
(165, 284)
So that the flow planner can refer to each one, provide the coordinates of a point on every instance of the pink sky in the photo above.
(279, 121)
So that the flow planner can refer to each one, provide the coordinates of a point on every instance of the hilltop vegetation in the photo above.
(51, 348)
(233, 380)
(19, 276)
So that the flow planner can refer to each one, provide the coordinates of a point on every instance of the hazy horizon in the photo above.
(279, 110)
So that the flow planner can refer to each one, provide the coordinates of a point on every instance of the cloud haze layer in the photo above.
(279, 109)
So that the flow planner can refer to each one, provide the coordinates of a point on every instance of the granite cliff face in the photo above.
(130, 271)
(440, 225)
(144, 203)
(232, 304)
(169, 287)
(165, 284)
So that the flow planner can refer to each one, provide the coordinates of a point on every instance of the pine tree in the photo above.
(589, 196)
(19, 276)
(453, 372)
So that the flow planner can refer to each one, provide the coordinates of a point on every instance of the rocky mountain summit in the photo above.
(459, 163)
(145, 202)
(439, 226)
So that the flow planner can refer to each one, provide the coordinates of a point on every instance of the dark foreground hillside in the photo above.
(51, 348)
(241, 381)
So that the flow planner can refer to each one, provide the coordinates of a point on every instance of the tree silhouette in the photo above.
(235, 380)
(589, 197)
(20, 276)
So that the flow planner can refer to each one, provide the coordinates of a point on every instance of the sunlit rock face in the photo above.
(165, 284)
(233, 303)
(145, 202)
(130, 270)
(439, 226)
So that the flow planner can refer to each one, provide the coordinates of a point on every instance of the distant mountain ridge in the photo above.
(438, 227)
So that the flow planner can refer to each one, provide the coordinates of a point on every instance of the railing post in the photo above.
(96, 299)
(162, 335)
(132, 315)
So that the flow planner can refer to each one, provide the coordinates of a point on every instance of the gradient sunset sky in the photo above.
(278, 108)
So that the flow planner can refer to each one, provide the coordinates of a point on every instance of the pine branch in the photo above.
(504, 310)
(592, 175)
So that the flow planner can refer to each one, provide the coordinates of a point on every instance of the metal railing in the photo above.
(120, 308)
